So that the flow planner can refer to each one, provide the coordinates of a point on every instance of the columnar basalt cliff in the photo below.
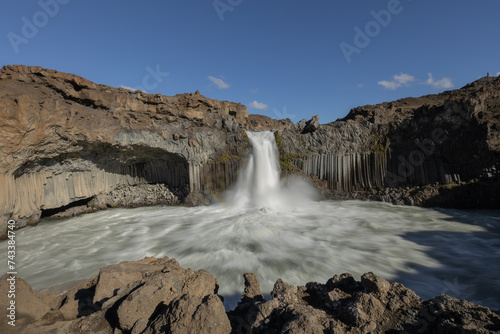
(71, 146)
(67, 141)
(435, 150)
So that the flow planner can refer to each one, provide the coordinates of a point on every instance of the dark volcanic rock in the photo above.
(189, 314)
(252, 288)
(431, 143)
(343, 305)
(311, 125)
(158, 296)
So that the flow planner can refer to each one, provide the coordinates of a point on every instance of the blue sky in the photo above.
(280, 58)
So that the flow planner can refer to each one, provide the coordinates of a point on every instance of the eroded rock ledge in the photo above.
(158, 296)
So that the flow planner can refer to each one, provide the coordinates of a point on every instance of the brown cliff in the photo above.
(66, 140)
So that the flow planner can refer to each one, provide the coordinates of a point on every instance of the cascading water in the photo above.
(274, 231)
(259, 185)
(260, 180)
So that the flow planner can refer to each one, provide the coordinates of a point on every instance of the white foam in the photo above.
(274, 230)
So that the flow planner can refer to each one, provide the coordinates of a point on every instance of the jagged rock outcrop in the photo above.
(146, 296)
(158, 296)
(311, 125)
(343, 305)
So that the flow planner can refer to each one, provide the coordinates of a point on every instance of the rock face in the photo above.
(449, 142)
(71, 146)
(153, 296)
(66, 140)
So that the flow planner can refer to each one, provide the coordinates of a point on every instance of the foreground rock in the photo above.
(147, 296)
(343, 305)
(158, 296)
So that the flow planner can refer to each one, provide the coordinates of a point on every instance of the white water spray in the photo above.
(259, 184)
(273, 230)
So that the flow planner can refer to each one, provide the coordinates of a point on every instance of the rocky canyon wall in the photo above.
(450, 139)
(66, 141)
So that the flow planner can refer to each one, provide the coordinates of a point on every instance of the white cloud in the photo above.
(283, 114)
(392, 85)
(498, 74)
(400, 80)
(254, 91)
(404, 78)
(444, 83)
(128, 87)
(218, 82)
(132, 88)
(258, 105)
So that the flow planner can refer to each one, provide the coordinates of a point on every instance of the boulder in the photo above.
(30, 305)
(311, 125)
(112, 278)
(190, 314)
(131, 297)
(285, 292)
(375, 284)
(252, 289)
(137, 306)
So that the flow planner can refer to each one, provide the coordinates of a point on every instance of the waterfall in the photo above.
(259, 184)
(260, 180)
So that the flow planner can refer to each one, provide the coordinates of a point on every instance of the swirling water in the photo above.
(278, 233)
(430, 251)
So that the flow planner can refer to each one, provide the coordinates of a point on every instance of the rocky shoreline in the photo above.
(159, 296)
(484, 194)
